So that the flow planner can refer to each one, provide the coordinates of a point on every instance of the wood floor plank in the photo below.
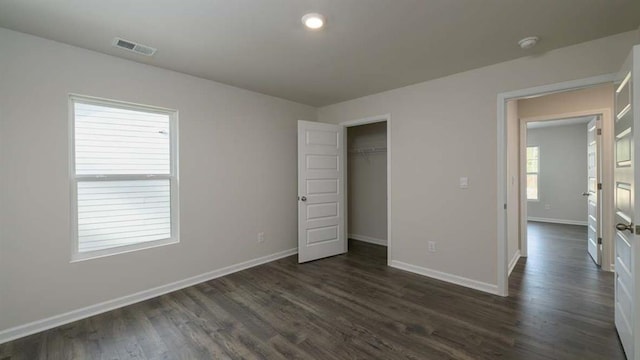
(353, 306)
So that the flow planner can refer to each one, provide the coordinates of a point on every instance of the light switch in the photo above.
(464, 182)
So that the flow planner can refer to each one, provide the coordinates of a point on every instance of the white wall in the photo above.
(367, 183)
(237, 177)
(563, 173)
(446, 128)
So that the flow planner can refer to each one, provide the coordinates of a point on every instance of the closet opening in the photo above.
(367, 187)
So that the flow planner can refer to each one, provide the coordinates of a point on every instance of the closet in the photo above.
(367, 183)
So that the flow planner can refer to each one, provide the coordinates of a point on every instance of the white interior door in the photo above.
(321, 220)
(594, 244)
(627, 260)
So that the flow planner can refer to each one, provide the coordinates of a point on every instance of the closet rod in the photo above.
(368, 150)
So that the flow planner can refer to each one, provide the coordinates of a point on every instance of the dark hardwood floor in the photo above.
(355, 307)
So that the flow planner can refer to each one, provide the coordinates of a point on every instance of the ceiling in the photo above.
(368, 46)
(561, 122)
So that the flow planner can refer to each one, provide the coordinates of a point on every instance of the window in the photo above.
(123, 174)
(533, 170)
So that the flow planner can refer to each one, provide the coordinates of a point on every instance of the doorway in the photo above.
(565, 98)
(367, 186)
(561, 168)
(323, 192)
(368, 182)
(568, 123)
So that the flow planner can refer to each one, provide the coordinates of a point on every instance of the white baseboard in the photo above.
(78, 314)
(368, 239)
(514, 261)
(557, 221)
(454, 279)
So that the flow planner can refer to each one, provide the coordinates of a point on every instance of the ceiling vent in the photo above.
(134, 47)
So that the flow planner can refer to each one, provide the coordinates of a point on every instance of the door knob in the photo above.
(623, 227)
(585, 194)
(304, 198)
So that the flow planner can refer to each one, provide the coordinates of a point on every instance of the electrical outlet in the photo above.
(547, 206)
(431, 246)
(260, 237)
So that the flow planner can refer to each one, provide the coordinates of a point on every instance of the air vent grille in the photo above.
(125, 44)
(134, 47)
(144, 50)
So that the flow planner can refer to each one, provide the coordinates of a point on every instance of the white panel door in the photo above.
(321, 220)
(626, 242)
(594, 246)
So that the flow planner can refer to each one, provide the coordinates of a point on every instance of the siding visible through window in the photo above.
(533, 172)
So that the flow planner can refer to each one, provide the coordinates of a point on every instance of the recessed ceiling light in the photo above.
(528, 42)
(313, 21)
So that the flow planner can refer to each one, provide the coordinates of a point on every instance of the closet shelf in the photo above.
(368, 150)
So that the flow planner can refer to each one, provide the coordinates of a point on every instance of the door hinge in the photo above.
(599, 186)
(599, 132)
(599, 241)
(505, 206)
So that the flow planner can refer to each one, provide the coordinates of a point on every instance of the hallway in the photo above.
(565, 293)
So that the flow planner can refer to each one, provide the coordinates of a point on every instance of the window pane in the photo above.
(119, 213)
(532, 187)
(119, 141)
(533, 159)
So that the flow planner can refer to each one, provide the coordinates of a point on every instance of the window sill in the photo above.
(90, 255)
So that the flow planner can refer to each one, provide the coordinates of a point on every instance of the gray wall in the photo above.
(445, 129)
(367, 183)
(237, 153)
(563, 173)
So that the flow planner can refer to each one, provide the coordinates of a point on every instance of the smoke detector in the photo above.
(134, 47)
(528, 42)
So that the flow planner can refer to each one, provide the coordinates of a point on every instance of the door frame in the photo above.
(502, 181)
(606, 197)
(358, 122)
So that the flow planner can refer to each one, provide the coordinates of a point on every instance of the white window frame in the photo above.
(537, 173)
(172, 177)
